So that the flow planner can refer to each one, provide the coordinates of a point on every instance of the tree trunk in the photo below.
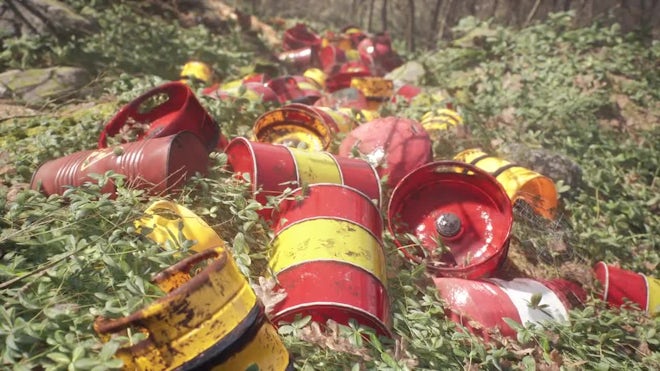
(383, 15)
(371, 15)
(410, 39)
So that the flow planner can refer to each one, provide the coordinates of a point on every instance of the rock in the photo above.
(409, 73)
(35, 87)
(42, 17)
(551, 164)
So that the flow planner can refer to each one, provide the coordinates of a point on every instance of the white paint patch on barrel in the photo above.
(520, 291)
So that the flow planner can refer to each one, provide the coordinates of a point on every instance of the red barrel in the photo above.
(159, 165)
(460, 218)
(482, 305)
(295, 89)
(340, 78)
(273, 168)
(333, 290)
(393, 145)
(327, 255)
(180, 112)
(621, 286)
(299, 36)
(299, 59)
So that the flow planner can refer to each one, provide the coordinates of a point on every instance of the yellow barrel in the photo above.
(264, 352)
(317, 75)
(201, 322)
(519, 183)
(164, 220)
(440, 120)
(196, 71)
(376, 89)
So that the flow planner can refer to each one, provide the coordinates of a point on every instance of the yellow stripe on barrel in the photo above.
(316, 167)
(328, 239)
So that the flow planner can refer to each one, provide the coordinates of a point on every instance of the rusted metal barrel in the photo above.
(621, 286)
(181, 111)
(212, 320)
(393, 145)
(299, 126)
(158, 165)
(520, 183)
(328, 256)
(377, 90)
(454, 217)
(482, 305)
(272, 169)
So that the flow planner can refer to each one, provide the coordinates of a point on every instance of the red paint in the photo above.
(270, 168)
(292, 89)
(299, 36)
(476, 198)
(620, 285)
(180, 112)
(340, 78)
(482, 305)
(407, 92)
(395, 146)
(333, 290)
(158, 165)
(331, 201)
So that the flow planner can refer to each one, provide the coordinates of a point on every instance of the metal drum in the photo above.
(621, 285)
(453, 217)
(181, 111)
(204, 321)
(296, 125)
(377, 90)
(520, 183)
(158, 165)
(327, 254)
(393, 145)
(482, 305)
(165, 220)
(272, 169)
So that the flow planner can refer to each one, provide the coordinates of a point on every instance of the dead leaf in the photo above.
(266, 293)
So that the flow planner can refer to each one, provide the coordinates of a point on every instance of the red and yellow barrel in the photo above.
(621, 285)
(272, 169)
(296, 125)
(210, 320)
(520, 183)
(327, 254)
(453, 217)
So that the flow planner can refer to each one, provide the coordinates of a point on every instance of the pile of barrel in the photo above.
(454, 216)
